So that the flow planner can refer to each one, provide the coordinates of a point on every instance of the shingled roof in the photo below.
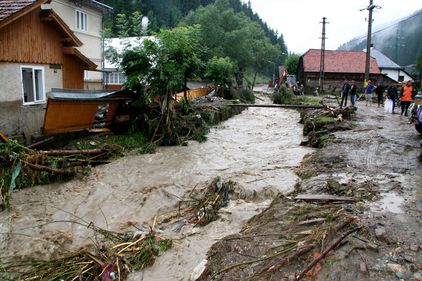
(12, 9)
(338, 61)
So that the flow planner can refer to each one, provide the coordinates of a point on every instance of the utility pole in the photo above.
(322, 60)
(370, 8)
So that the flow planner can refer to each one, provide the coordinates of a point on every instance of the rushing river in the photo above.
(257, 149)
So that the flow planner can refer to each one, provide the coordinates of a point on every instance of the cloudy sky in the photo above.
(299, 20)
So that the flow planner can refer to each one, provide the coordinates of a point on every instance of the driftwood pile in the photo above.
(288, 241)
(111, 259)
(22, 167)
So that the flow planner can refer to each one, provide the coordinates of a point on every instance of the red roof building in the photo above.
(339, 65)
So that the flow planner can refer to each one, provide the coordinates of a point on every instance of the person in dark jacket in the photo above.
(392, 95)
(344, 92)
(379, 90)
(352, 92)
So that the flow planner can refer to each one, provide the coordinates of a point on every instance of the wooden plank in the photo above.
(3, 138)
(323, 198)
(293, 106)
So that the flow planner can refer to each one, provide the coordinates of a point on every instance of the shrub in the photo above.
(283, 95)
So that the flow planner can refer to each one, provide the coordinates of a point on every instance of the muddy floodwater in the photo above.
(256, 149)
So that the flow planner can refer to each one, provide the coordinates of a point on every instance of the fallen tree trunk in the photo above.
(46, 169)
(334, 245)
(73, 152)
(293, 106)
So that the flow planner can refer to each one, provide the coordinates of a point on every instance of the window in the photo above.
(86, 74)
(401, 78)
(32, 84)
(81, 21)
(116, 78)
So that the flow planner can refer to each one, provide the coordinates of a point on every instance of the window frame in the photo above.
(81, 21)
(43, 96)
(116, 78)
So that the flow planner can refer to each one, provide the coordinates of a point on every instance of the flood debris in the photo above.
(22, 167)
(201, 205)
(323, 198)
(290, 238)
(112, 257)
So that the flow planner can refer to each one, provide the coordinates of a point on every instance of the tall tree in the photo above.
(162, 67)
(229, 34)
(291, 63)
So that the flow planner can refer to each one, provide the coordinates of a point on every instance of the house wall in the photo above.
(333, 81)
(17, 119)
(29, 40)
(91, 39)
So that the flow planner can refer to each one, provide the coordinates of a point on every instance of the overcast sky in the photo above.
(299, 20)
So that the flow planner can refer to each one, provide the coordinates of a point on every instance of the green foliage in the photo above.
(122, 25)
(291, 63)
(283, 95)
(227, 33)
(220, 71)
(244, 95)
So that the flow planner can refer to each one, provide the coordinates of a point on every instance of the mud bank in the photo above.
(257, 149)
(374, 163)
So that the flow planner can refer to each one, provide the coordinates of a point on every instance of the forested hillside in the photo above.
(168, 14)
(401, 41)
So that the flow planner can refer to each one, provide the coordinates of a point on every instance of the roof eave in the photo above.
(22, 12)
(98, 5)
(49, 15)
(88, 64)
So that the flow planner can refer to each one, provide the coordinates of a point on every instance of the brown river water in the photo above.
(258, 149)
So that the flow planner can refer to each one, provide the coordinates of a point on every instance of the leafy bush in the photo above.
(283, 96)
(243, 95)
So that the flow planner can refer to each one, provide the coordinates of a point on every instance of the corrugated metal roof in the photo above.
(82, 94)
(10, 7)
(382, 60)
(338, 61)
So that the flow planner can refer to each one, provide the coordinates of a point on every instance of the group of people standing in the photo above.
(404, 97)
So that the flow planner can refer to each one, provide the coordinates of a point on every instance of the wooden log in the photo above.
(292, 106)
(46, 169)
(3, 138)
(323, 198)
(315, 261)
(73, 152)
(41, 142)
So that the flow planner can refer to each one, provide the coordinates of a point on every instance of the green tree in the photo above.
(220, 71)
(136, 24)
(162, 67)
(122, 25)
(291, 63)
(226, 33)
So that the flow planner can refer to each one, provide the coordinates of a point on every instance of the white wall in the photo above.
(16, 118)
(91, 39)
(395, 73)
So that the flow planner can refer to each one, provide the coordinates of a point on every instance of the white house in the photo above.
(390, 68)
(85, 19)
